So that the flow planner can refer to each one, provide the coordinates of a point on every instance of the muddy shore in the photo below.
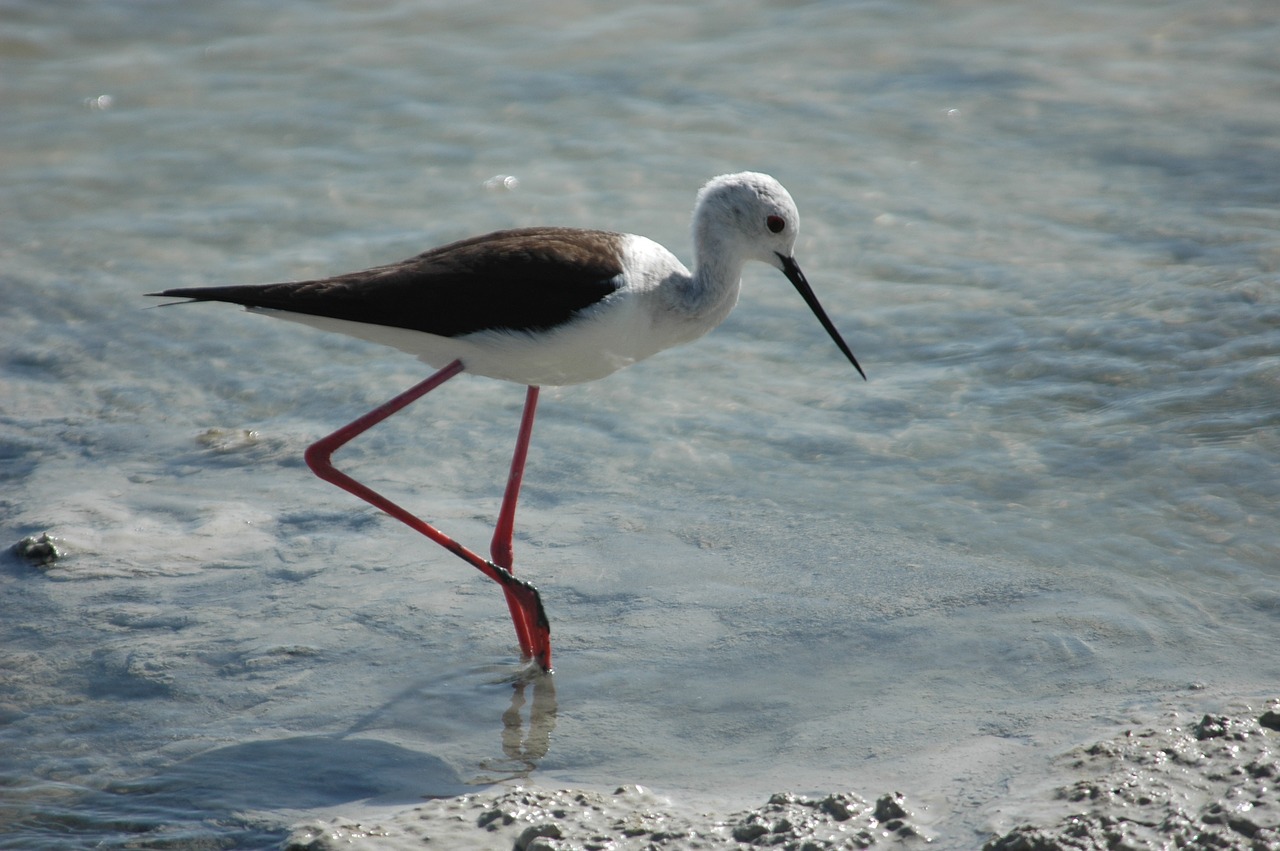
(1187, 781)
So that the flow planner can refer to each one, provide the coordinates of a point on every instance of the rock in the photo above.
(527, 839)
(41, 551)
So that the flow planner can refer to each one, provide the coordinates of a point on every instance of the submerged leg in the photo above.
(501, 547)
(532, 628)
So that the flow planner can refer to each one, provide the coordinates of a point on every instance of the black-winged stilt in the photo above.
(539, 306)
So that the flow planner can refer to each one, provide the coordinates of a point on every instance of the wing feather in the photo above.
(528, 279)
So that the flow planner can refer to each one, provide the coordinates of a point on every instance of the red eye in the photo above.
(775, 223)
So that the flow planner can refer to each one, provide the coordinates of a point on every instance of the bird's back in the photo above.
(529, 279)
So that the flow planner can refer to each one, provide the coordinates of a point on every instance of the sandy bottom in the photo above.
(1195, 782)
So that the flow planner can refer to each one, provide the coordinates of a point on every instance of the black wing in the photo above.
(528, 279)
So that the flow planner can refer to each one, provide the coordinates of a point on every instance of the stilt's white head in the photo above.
(748, 213)
(751, 216)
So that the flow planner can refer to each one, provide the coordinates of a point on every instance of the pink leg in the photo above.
(532, 628)
(501, 548)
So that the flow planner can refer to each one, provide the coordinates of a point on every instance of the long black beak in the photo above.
(792, 270)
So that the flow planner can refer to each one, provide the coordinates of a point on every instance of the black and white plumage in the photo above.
(539, 306)
(552, 306)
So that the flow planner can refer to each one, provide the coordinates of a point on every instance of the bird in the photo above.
(538, 306)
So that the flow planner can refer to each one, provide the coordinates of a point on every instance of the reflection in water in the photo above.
(525, 746)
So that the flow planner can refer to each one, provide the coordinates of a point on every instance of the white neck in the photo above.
(709, 294)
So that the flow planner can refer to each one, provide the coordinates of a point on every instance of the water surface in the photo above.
(1049, 234)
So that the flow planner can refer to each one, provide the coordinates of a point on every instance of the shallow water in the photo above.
(1051, 236)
